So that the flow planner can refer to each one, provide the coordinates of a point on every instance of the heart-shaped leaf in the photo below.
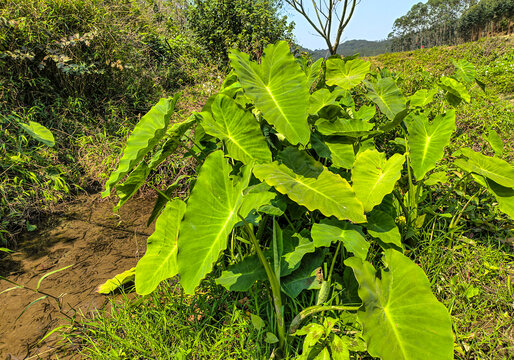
(373, 176)
(427, 141)
(278, 86)
(387, 96)
(239, 129)
(212, 211)
(347, 74)
(160, 260)
(401, 318)
(328, 193)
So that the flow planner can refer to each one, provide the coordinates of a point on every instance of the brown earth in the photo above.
(96, 242)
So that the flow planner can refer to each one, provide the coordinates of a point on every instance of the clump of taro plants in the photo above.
(320, 171)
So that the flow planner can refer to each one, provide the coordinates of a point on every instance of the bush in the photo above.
(247, 25)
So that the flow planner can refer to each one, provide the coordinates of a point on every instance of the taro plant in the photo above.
(318, 171)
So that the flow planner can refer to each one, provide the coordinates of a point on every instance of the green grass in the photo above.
(474, 279)
(167, 324)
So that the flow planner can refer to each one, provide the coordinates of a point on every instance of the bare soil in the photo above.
(85, 234)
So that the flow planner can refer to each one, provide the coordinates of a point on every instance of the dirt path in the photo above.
(85, 234)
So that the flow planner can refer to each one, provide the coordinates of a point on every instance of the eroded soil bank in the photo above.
(85, 234)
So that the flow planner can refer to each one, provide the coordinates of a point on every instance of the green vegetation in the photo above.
(87, 70)
(334, 209)
(438, 22)
(247, 25)
(292, 201)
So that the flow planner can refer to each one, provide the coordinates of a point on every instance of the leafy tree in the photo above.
(243, 24)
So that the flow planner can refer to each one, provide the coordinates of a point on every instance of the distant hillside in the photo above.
(351, 47)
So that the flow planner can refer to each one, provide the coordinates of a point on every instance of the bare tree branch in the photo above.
(326, 11)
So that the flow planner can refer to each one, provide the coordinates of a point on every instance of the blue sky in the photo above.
(372, 20)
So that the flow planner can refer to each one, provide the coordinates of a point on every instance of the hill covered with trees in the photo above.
(450, 22)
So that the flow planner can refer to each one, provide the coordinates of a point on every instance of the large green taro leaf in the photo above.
(278, 87)
(347, 74)
(427, 141)
(160, 260)
(212, 211)
(39, 132)
(422, 98)
(492, 168)
(328, 192)
(455, 89)
(329, 230)
(341, 154)
(373, 176)
(147, 133)
(387, 96)
(323, 97)
(401, 318)
(238, 128)
(464, 71)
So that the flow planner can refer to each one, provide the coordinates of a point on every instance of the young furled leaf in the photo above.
(387, 96)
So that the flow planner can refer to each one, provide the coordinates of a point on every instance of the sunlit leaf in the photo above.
(238, 128)
(455, 89)
(117, 282)
(464, 71)
(147, 133)
(329, 231)
(374, 176)
(211, 213)
(401, 318)
(38, 132)
(347, 74)
(496, 142)
(328, 193)
(493, 168)
(160, 260)
(422, 98)
(427, 141)
(387, 96)
(278, 86)
(342, 154)
(323, 97)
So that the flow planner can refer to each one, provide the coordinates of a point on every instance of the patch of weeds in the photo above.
(474, 278)
(170, 325)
